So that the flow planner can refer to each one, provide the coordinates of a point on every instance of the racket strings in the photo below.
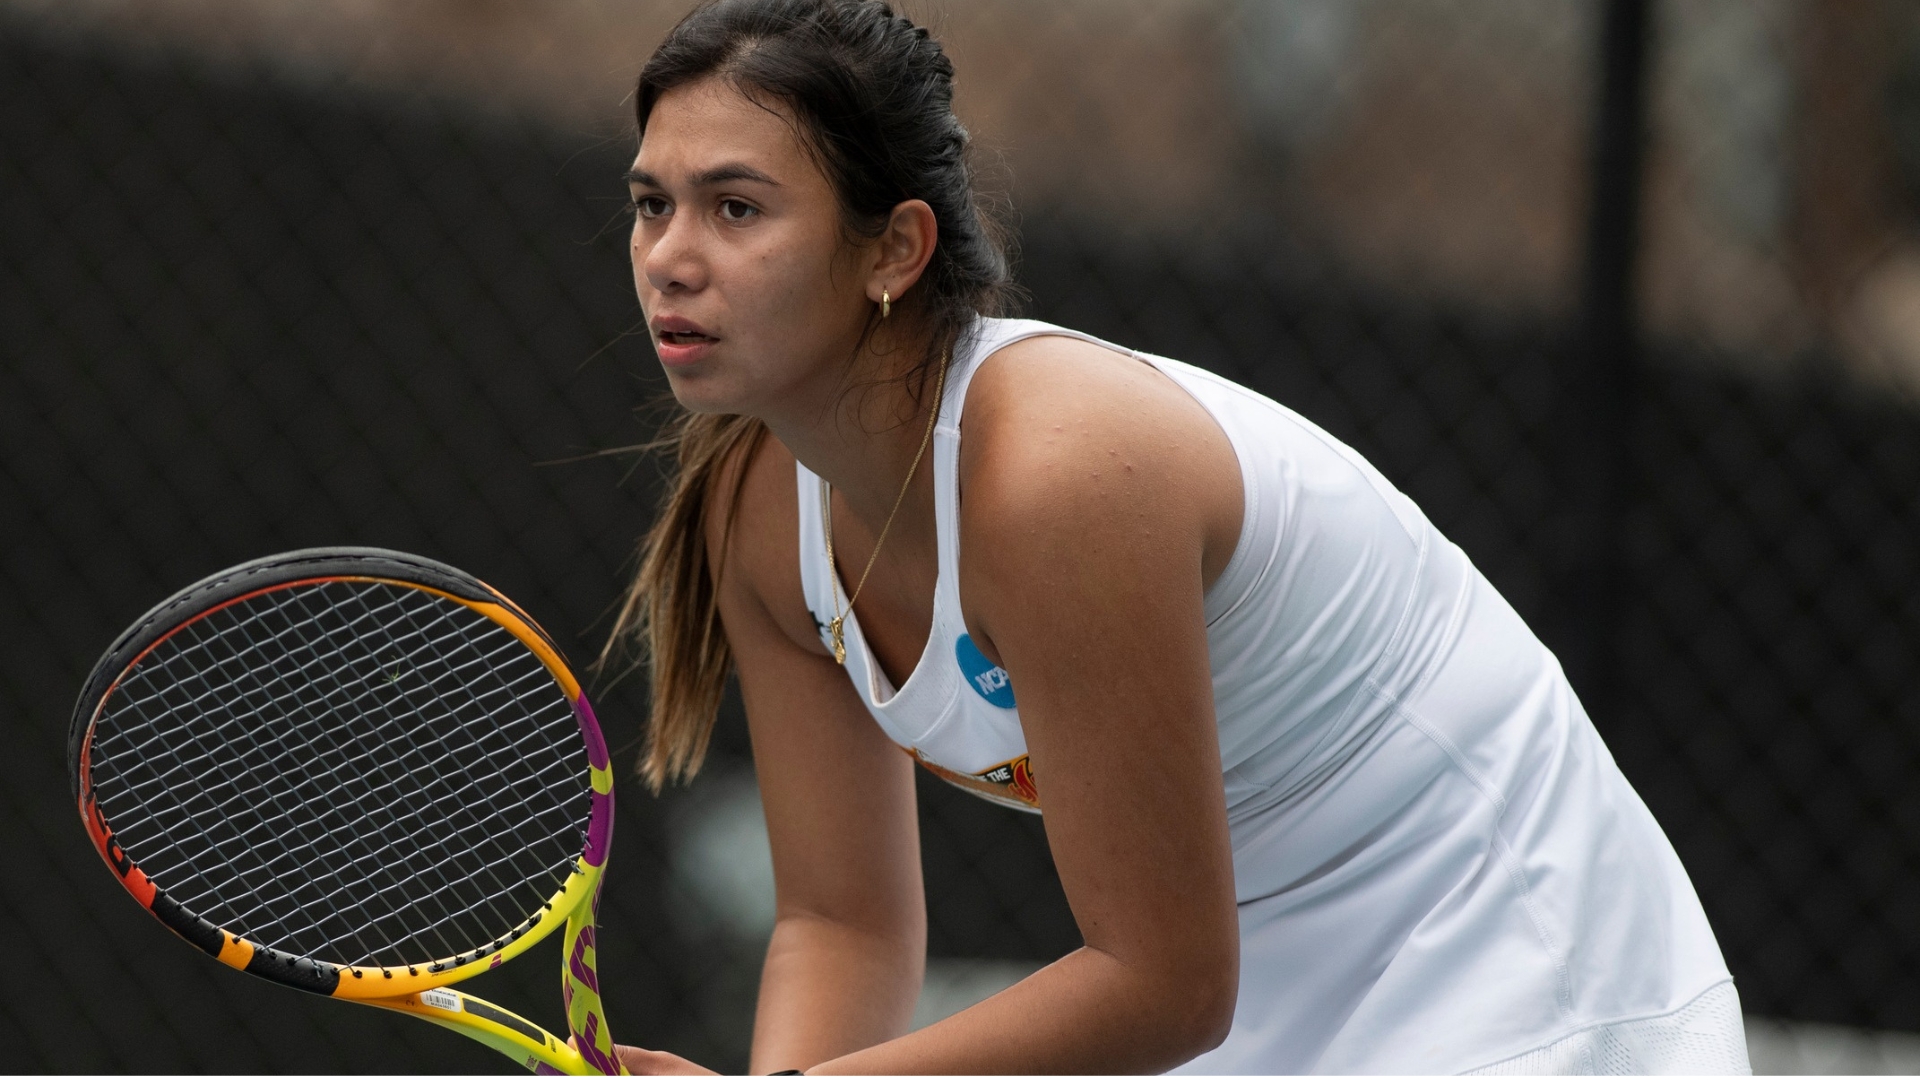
(498, 884)
(357, 772)
(429, 878)
(414, 884)
(296, 852)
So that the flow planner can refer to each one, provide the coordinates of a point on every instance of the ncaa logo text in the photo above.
(987, 678)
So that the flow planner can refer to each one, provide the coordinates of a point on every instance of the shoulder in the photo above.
(1056, 419)
(1069, 443)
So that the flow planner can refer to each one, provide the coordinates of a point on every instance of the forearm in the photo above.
(829, 989)
(1087, 1013)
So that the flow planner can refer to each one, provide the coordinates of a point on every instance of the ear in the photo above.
(903, 250)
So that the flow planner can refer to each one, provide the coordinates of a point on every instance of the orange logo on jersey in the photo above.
(1009, 783)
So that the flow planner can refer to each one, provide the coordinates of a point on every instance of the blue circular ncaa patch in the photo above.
(987, 678)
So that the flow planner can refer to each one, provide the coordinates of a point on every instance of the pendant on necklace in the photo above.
(839, 646)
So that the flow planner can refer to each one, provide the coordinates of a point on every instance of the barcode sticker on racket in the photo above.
(441, 999)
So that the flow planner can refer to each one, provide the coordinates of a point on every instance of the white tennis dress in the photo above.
(1438, 865)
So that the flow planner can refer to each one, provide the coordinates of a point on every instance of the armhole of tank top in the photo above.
(1227, 595)
(1223, 599)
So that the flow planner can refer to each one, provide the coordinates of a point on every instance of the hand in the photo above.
(658, 1063)
(653, 1062)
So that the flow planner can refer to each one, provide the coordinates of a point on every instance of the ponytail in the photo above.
(671, 613)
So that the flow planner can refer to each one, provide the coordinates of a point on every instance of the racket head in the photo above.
(354, 771)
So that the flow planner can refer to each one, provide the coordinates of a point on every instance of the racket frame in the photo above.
(420, 990)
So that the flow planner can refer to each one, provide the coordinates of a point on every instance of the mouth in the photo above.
(680, 341)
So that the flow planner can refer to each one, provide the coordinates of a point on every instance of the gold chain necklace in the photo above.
(826, 516)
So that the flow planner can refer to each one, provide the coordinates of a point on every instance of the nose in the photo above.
(668, 256)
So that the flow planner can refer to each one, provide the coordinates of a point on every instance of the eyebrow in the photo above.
(719, 174)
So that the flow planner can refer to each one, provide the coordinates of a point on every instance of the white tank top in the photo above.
(1438, 865)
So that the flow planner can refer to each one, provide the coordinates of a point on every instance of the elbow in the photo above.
(1213, 1013)
(1199, 1012)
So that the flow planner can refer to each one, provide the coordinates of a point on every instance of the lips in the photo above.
(679, 340)
(680, 331)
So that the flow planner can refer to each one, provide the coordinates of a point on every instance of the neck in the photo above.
(861, 435)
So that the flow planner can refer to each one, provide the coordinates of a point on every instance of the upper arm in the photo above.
(1094, 504)
(838, 795)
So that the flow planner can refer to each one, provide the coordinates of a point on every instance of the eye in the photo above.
(649, 206)
(735, 210)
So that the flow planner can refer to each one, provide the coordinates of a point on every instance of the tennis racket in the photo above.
(362, 774)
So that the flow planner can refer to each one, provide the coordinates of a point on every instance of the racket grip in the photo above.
(580, 987)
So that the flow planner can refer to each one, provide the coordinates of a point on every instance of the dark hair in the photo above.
(873, 95)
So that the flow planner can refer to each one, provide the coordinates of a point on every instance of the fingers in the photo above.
(657, 1063)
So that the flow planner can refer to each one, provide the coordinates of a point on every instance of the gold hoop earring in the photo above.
(886, 304)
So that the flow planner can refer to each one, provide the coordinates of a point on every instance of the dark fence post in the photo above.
(1598, 385)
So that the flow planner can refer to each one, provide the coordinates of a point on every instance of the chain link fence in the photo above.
(267, 285)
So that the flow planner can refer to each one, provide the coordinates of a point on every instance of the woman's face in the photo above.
(753, 298)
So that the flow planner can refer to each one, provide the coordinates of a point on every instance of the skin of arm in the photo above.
(844, 966)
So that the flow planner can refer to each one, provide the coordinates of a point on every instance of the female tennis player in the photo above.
(1318, 798)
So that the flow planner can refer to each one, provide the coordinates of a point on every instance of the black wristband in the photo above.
(787, 1072)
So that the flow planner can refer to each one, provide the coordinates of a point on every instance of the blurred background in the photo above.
(1625, 293)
